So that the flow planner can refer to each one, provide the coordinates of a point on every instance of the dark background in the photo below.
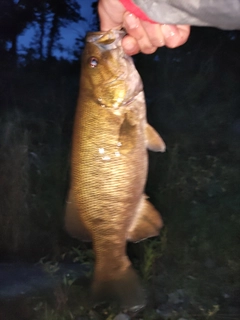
(193, 101)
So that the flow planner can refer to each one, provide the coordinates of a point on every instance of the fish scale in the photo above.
(106, 202)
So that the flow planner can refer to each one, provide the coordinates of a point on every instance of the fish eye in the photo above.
(93, 62)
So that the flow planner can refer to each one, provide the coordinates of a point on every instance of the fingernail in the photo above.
(131, 21)
(168, 31)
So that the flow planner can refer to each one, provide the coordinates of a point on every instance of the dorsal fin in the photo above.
(154, 140)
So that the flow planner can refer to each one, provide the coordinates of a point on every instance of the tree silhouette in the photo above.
(52, 15)
(95, 21)
(14, 18)
(63, 12)
(42, 17)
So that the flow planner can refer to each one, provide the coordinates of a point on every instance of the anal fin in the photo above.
(154, 141)
(147, 222)
(73, 223)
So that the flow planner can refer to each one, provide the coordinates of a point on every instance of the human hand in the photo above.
(141, 35)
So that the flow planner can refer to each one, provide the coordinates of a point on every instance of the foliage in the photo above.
(149, 255)
(14, 186)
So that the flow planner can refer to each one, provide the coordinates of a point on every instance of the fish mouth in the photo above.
(106, 39)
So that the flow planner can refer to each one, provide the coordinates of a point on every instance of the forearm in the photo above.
(223, 14)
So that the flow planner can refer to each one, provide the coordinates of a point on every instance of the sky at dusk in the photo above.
(69, 34)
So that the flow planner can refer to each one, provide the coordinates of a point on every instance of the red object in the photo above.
(131, 7)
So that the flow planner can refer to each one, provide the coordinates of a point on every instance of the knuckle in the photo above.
(157, 41)
(148, 49)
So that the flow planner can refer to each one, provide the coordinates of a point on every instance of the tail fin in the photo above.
(124, 290)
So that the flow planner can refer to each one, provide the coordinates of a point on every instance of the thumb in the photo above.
(110, 14)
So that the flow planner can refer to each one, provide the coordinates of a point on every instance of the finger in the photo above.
(130, 45)
(107, 20)
(154, 33)
(175, 36)
(184, 32)
(135, 29)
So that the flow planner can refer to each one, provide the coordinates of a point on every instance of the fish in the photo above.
(109, 161)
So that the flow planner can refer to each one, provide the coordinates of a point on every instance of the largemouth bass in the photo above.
(106, 202)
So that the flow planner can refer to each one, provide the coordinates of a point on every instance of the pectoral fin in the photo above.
(73, 223)
(146, 224)
(127, 134)
(154, 141)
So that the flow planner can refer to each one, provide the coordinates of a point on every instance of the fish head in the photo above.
(108, 74)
